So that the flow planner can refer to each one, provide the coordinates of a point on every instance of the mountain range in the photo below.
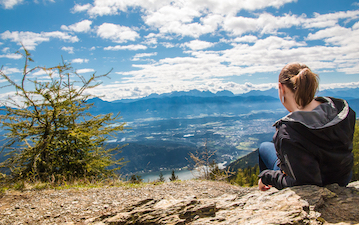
(195, 102)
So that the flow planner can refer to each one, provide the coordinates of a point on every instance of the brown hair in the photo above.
(301, 81)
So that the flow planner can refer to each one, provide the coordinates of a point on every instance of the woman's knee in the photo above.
(265, 146)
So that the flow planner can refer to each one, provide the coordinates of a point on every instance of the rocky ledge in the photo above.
(186, 202)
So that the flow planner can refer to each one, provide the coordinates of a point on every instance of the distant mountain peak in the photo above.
(225, 93)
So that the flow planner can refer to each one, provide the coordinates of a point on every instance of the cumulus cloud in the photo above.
(8, 70)
(5, 50)
(79, 60)
(258, 43)
(9, 4)
(339, 85)
(207, 69)
(83, 26)
(70, 50)
(247, 38)
(11, 56)
(337, 35)
(116, 33)
(198, 45)
(190, 18)
(140, 56)
(81, 8)
(30, 39)
(265, 23)
(329, 20)
(79, 71)
(126, 47)
(113, 7)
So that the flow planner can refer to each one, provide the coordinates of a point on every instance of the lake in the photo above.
(183, 174)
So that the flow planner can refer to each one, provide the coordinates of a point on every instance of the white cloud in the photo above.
(11, 56)
(265, 23)
(338, 35)
(126, 47)
(168, 44)
(198, 45)
(247, 38)
(8, 70)
(83, 26)
(70, 50)
(39, 72)
(61, 35)
(9, 4)
(139, 56)
(116, 33)
(81, 8)
(206, 70)
(85, 71)
(329, 20)
(30, 40)
(189, 18)
(79, 60)
(113, 7)
(5, 50)
(258, 43)
(338, 85)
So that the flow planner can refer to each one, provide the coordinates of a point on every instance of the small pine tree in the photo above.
(162, 178)
(135, 179)
(49, 131)
(246, 177)
(173, 176)
(240, 179)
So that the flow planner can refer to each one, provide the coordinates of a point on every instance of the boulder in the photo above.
(296, 205)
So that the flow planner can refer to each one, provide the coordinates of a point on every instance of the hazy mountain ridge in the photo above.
(195, 102)
(345, 93)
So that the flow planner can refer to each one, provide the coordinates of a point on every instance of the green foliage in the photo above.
(173, 176)
(162, 178)
(19, 186)
(356, 152)
(41, 186)
(135, 179)
(246, 177)
(250, 160)
(50, 134)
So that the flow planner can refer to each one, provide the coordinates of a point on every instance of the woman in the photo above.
(313, 143)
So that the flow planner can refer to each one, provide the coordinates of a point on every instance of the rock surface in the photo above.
(187, 202)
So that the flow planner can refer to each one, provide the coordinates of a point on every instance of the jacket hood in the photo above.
(330, 112)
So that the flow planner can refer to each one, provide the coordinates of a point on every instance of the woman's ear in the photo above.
(281, 91)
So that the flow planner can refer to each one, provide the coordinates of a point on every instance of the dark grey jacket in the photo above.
(314, 147)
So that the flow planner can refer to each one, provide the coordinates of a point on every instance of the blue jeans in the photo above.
(267, 157)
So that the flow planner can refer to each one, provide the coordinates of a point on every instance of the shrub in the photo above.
(50, 135)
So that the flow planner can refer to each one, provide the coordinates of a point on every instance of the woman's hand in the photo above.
(262, 186)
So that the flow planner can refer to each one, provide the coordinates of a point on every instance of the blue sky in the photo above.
(160, 46)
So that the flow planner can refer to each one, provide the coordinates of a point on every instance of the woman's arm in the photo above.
(298, 167)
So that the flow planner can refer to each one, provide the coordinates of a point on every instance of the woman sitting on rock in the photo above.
(313, 143)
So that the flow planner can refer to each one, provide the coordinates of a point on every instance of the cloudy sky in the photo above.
(160, 46)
